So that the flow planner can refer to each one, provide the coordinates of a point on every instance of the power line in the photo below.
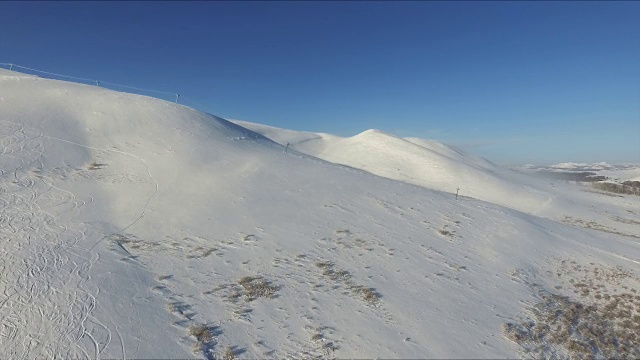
(93, 81)
(48, 73)
(137, 88)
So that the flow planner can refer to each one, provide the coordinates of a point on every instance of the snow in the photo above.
(615, 173)
(421, 162)
(438, 166)
(622, 175)
(129, 222)
(593, 167)
(582, 166)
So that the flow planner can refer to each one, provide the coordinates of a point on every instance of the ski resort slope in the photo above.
(132, 227)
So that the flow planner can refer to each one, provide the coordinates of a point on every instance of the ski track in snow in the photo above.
(146, 205)
(43, 270)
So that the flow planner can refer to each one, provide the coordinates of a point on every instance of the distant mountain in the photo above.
(571, 166)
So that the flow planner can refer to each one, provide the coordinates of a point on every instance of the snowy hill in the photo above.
(138, 228)
(417, 161)
(437, 166)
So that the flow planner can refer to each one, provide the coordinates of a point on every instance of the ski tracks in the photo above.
(46, 309)
(146, 205)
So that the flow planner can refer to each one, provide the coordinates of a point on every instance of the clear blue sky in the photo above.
(516, 82)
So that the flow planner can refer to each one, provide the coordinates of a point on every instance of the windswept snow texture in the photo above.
(132, 227)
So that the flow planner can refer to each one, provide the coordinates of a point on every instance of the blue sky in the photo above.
(516, 82)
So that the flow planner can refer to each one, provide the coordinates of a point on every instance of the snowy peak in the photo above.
(373, 133)
(376, 140)
(421, 162)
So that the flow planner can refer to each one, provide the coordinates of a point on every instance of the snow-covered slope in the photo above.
(133, 227)
(442, 167)
(623, 174)
(422, 162)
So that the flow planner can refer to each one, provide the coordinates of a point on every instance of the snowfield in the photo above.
(441, 167)
(131, 227)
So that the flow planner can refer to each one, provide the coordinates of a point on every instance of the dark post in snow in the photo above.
(177, 97)
(458, 189)
(286, 148)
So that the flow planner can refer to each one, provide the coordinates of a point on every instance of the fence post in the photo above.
(458, 189)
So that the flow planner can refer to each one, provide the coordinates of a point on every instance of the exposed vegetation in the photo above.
(590, 224)
(370, 295)
(205, 339)
(323, 344)
(256, 286)
(96, 166)
(582, 331)
(635, 184)
(627, 188)
(202, 333)
(583, 176)
(601, 319)
(445, 232)
(179, 307)
(229, 354)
